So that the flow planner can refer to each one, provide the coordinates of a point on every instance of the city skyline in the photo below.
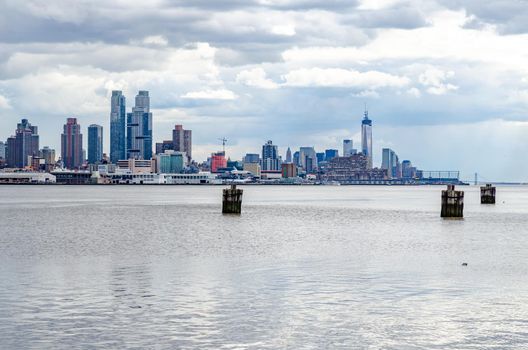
(140, 142)
(296, 72)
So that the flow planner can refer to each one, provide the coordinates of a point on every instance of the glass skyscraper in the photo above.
(139, 128)
(366, 139)
(288, 155)
(270, 156)
(117, 127)
(25, 143)
(95, 143)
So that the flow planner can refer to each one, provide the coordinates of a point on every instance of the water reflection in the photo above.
(177, 274)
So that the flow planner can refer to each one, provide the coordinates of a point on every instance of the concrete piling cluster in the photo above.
(232, 200)
(452, 200)
(487, 194)
(452, 203)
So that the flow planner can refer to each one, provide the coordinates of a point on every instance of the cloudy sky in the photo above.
(446, 82)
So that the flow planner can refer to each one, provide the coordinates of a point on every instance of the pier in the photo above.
(232, 200)
(487, 194)
(452, 203)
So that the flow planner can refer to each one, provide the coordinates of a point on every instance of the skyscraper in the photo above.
(386, 159)
(288, 155)
(95, 143)
(182, 141)
(307, 158)
(71, 144)
(366, 139)
(391, 163)
(270, 156)
(251, 158)
(139, 128)
(348, 148)
(25, 143)
(2, 150)
(331, 154)
(117, 127)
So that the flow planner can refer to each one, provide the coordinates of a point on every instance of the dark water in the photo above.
(302, 268)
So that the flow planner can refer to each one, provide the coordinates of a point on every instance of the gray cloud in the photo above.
(60, 58)
(510, 16)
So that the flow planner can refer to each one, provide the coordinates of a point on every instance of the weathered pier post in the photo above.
(452, 203)
(487, 194)
(232, 200)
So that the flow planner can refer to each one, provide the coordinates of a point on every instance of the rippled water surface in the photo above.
(306, 267)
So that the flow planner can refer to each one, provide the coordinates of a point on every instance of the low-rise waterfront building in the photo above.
(171, 162)
(253, 168)
(26, 178)
(137, 166)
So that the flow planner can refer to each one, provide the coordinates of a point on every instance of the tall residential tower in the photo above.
(270, 156)
(182, 141)
(71, 144)
(117, 127)
(25, 143)
(139, 128)
(95, 143)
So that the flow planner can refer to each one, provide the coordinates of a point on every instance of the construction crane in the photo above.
(224, 141)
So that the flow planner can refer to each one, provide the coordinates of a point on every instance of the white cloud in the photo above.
(367, 94)
(414, 92)
(285, 30)
(154, 40)
(435, 81)
(255, 77)
(337, 77)
(377, 4)
(221, 94)
(4, 103)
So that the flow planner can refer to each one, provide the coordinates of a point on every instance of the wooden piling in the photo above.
(487, 194)
(452, 203)
(232, 200)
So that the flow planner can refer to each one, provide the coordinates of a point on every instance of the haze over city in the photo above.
(445, 81)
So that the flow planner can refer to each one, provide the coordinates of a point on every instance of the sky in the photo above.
(445, 82)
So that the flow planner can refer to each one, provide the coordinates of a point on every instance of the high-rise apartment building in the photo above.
(21, 146)
(95, 143)
(71, 144)
(48, 154)
(408, 171)
(182, 141)
(366, 138)
(139, 128)
(391, 163)
(117, 127)
(270, 157)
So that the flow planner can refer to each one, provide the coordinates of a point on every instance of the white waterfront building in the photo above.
(201, 178)
(26, 177)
